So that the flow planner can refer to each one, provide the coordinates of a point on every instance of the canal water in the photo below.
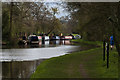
(21, 61)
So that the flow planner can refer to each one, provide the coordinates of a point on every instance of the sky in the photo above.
(61, 9)
(60, 6)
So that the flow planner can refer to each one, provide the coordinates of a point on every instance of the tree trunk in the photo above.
(116, 32)
(11, 13)
(118, 27)
(116, 40)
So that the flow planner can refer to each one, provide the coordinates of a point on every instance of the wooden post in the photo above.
(11, 70)
(108, 55)
(104, 50)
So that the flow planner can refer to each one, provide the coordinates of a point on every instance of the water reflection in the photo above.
(19, 69)
(21, 63)
(54, 43)
(29, 54)
(41, 44)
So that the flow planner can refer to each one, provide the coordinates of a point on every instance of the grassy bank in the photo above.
(84, 64)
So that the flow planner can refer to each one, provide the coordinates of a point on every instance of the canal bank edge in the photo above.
(82, 64)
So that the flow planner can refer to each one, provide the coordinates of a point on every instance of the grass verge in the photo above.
(84, 64)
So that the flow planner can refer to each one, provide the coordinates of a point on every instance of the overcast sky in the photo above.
(60, 6)
(61, 9)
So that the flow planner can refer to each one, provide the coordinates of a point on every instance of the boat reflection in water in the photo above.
(65, 42)
(51, 43)
(22, 62)
(56, 42)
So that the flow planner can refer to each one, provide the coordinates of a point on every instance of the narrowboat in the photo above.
(39, 38)
(62, 37)
(68, 37)
(45, 38)
(33, 39)
(55, 38)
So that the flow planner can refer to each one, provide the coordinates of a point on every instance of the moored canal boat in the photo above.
(39, 38)
(47, 38)
(33, 39)
(55, 38)
(68, 37)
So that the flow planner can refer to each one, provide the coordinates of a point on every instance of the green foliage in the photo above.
(5, 24)
(28, 18)
(68, 66)
(92, 19)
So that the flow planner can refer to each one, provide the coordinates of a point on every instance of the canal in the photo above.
(21, 61)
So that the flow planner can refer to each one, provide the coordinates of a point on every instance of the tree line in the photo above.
(29, 17)
(94, 21)
(97, 21)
